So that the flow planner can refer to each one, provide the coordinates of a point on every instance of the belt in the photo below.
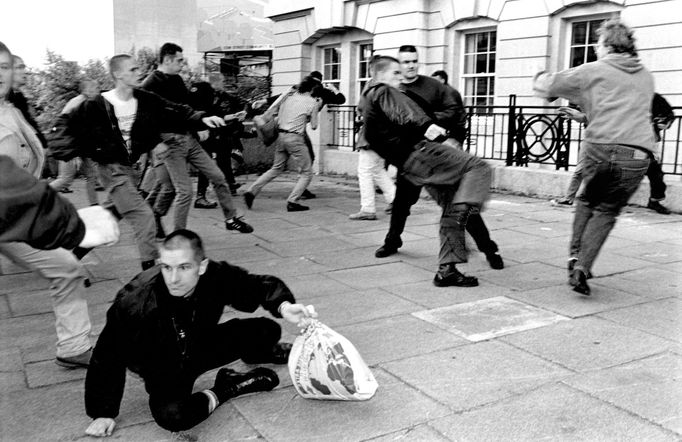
(289, 132)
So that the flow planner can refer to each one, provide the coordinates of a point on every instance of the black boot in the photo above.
(448, 276)
(230, 384)
(579, 282)
(389, 248)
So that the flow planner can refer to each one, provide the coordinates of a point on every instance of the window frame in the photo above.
(328, 78)
(359, 80)
(568, 23)
(470, 99)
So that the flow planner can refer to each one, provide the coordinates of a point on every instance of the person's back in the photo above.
(295, 112)
(615, 92)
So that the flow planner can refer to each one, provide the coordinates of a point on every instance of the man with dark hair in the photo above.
(114, 129)
(164, 326)
(444, 105)
(398, 129)
(184, 149)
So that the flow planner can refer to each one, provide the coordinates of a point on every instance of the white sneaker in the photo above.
(363, 216)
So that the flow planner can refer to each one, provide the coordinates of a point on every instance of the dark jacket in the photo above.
(92, 131)
(171, 88)
(139, 333)
(33, 212)
(440, 102)
(393, 123)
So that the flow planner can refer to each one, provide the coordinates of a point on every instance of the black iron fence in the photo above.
(519, 135)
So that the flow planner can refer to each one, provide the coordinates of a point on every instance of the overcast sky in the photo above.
(77, 29)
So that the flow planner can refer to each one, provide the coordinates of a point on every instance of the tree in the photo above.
(96, 70)
(59, 83)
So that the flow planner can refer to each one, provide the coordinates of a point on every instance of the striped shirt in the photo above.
(295, 112)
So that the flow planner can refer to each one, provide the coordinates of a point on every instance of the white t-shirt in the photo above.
(125, 113)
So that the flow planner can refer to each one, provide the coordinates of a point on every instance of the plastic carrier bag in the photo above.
(325, 365)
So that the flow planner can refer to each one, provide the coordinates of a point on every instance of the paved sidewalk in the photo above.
(521, 357)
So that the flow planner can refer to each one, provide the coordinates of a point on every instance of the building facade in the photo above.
(489, 48)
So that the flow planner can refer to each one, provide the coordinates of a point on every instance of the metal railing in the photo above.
(519, 135)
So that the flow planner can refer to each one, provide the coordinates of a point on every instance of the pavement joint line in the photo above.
(625, 410)
(524, 350)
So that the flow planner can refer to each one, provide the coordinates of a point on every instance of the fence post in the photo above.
(511, 129)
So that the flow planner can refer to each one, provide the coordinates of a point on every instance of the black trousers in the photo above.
(222, 147)
(656, 184)
(407, 195)
(171, 401)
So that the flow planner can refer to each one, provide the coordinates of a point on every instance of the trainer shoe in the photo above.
(363, 216)
(78, 361)
(308, 195)
(236, 223)
(295, 207)
(203, 203)
(562, 202)
(449, 276)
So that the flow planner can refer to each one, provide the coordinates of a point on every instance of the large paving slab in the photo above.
(469, 376)
(660, 318)
(588, 343)
(489, 318)
(553, 412)
(563, 300)
(430, 296)
(380, 275)
(387, 339)
(649, 387)
(360, 306)
(284, 416)
(528, 276)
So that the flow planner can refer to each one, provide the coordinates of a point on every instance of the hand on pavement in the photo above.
(101, 228)
(100, 427)
(213, 121)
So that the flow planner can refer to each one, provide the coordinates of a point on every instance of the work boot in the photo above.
(448, 276)
(658, 207)
(203, 203)
(78, 361)
(578, 281)
(278, 355)
(495, 261)
(229, 383)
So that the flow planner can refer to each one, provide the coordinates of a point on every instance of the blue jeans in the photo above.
(460, 184)
(185, 149)
(294, 146)
(611, 174)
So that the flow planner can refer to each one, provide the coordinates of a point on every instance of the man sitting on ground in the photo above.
(164, 326)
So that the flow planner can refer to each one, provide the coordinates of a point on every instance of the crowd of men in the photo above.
(164, 324)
